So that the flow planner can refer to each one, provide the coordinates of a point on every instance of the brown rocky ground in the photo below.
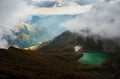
(25, 64)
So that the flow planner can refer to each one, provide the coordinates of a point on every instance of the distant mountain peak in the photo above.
(25, 25)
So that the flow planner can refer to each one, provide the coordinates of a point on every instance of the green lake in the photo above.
(94, 58)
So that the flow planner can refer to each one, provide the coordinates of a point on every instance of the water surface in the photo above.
(94, 58)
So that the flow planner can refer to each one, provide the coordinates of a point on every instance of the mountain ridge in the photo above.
(68, 40)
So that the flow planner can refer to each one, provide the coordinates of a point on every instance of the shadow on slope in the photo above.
(18, 64)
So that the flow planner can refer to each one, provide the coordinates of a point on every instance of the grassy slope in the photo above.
(21, 64)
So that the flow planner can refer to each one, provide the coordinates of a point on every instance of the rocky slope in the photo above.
(19, 64)
(56, 59)
(67, 41)
(29, 35)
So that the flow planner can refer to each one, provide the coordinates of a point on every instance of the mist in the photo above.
(102, 20)
(11, 12)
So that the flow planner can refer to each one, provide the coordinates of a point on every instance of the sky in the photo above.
(96, 15)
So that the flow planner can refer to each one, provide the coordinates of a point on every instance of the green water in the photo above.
(94, 58)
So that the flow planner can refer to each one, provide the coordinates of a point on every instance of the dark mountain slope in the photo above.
(53, 60)
(67, 41)
(20, 64)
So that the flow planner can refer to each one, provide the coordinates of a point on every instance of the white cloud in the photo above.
(11, 11)
(102, 20)
(70, 10)
(40, 0)
(60, 7)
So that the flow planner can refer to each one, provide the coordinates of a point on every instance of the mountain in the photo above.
(38, 29)
(57, 59)
(24, 33)
(68, 40)
(18, 64)
(28, 35)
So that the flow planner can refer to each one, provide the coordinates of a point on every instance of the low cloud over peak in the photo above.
(102, 20)
(11, 11)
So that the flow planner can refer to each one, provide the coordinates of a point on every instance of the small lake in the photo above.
(94, 58)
